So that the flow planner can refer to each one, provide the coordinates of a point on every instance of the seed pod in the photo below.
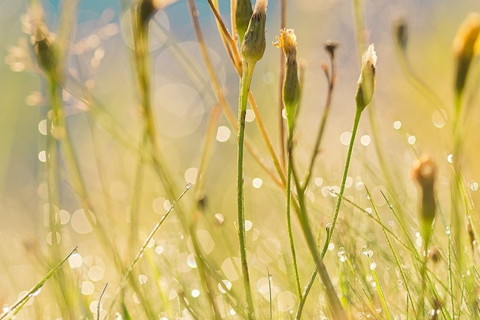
(291, 85)
(465, 48)
(424, 172)
(253, 46)
(366, 81)
(243, 14)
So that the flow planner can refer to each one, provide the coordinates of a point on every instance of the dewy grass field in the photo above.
(344, 188)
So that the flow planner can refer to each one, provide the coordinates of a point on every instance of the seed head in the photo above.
(366, 81)
(42, 39)
(253, 46)
(465, 47)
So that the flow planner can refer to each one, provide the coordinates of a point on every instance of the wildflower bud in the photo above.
(253, 45)
(45, 52)
(424, 172)
(146, 10)
(400, 33)
(465, 48)
(366, 81)
(291, 85)
(243, 13)
(434, 255)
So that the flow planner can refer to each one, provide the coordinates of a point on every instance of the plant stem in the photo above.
(289, 218)
(242, 110)
(358, 114)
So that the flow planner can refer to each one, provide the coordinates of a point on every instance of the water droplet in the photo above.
(331, 246)
(318, 181)
(373, 266)
(397, 125)
(42, 156)
(219, 218)
(191, 261)
(248, 225)
(367, 252)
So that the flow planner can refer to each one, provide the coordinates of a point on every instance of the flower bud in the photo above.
(465, 48)
(42, 40)
(291, 85)
(253, 45)
(146, 10)
(366, 81)
(243, 13)
(400, 33)
(424, 172)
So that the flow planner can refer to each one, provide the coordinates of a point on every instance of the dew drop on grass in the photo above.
(373, 266)
(331, 246)
(232, 312)
(367, 252)
(397, 125)
(318, 181)
(223, 134)
(348, 182)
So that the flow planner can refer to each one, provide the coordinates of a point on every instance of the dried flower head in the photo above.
(287, 41)
(366, 81)
(465, 47)
(253, 46)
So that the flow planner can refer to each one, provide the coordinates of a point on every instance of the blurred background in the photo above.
(100, 60)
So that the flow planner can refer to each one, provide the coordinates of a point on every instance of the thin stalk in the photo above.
(35, 288)
(334, 302)
(126, 276)
(289, 218)
(242, 110)
(220, 95)
(358, 114)
(281, 76)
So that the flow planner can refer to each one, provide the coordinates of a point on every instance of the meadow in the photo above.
(213, 159)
